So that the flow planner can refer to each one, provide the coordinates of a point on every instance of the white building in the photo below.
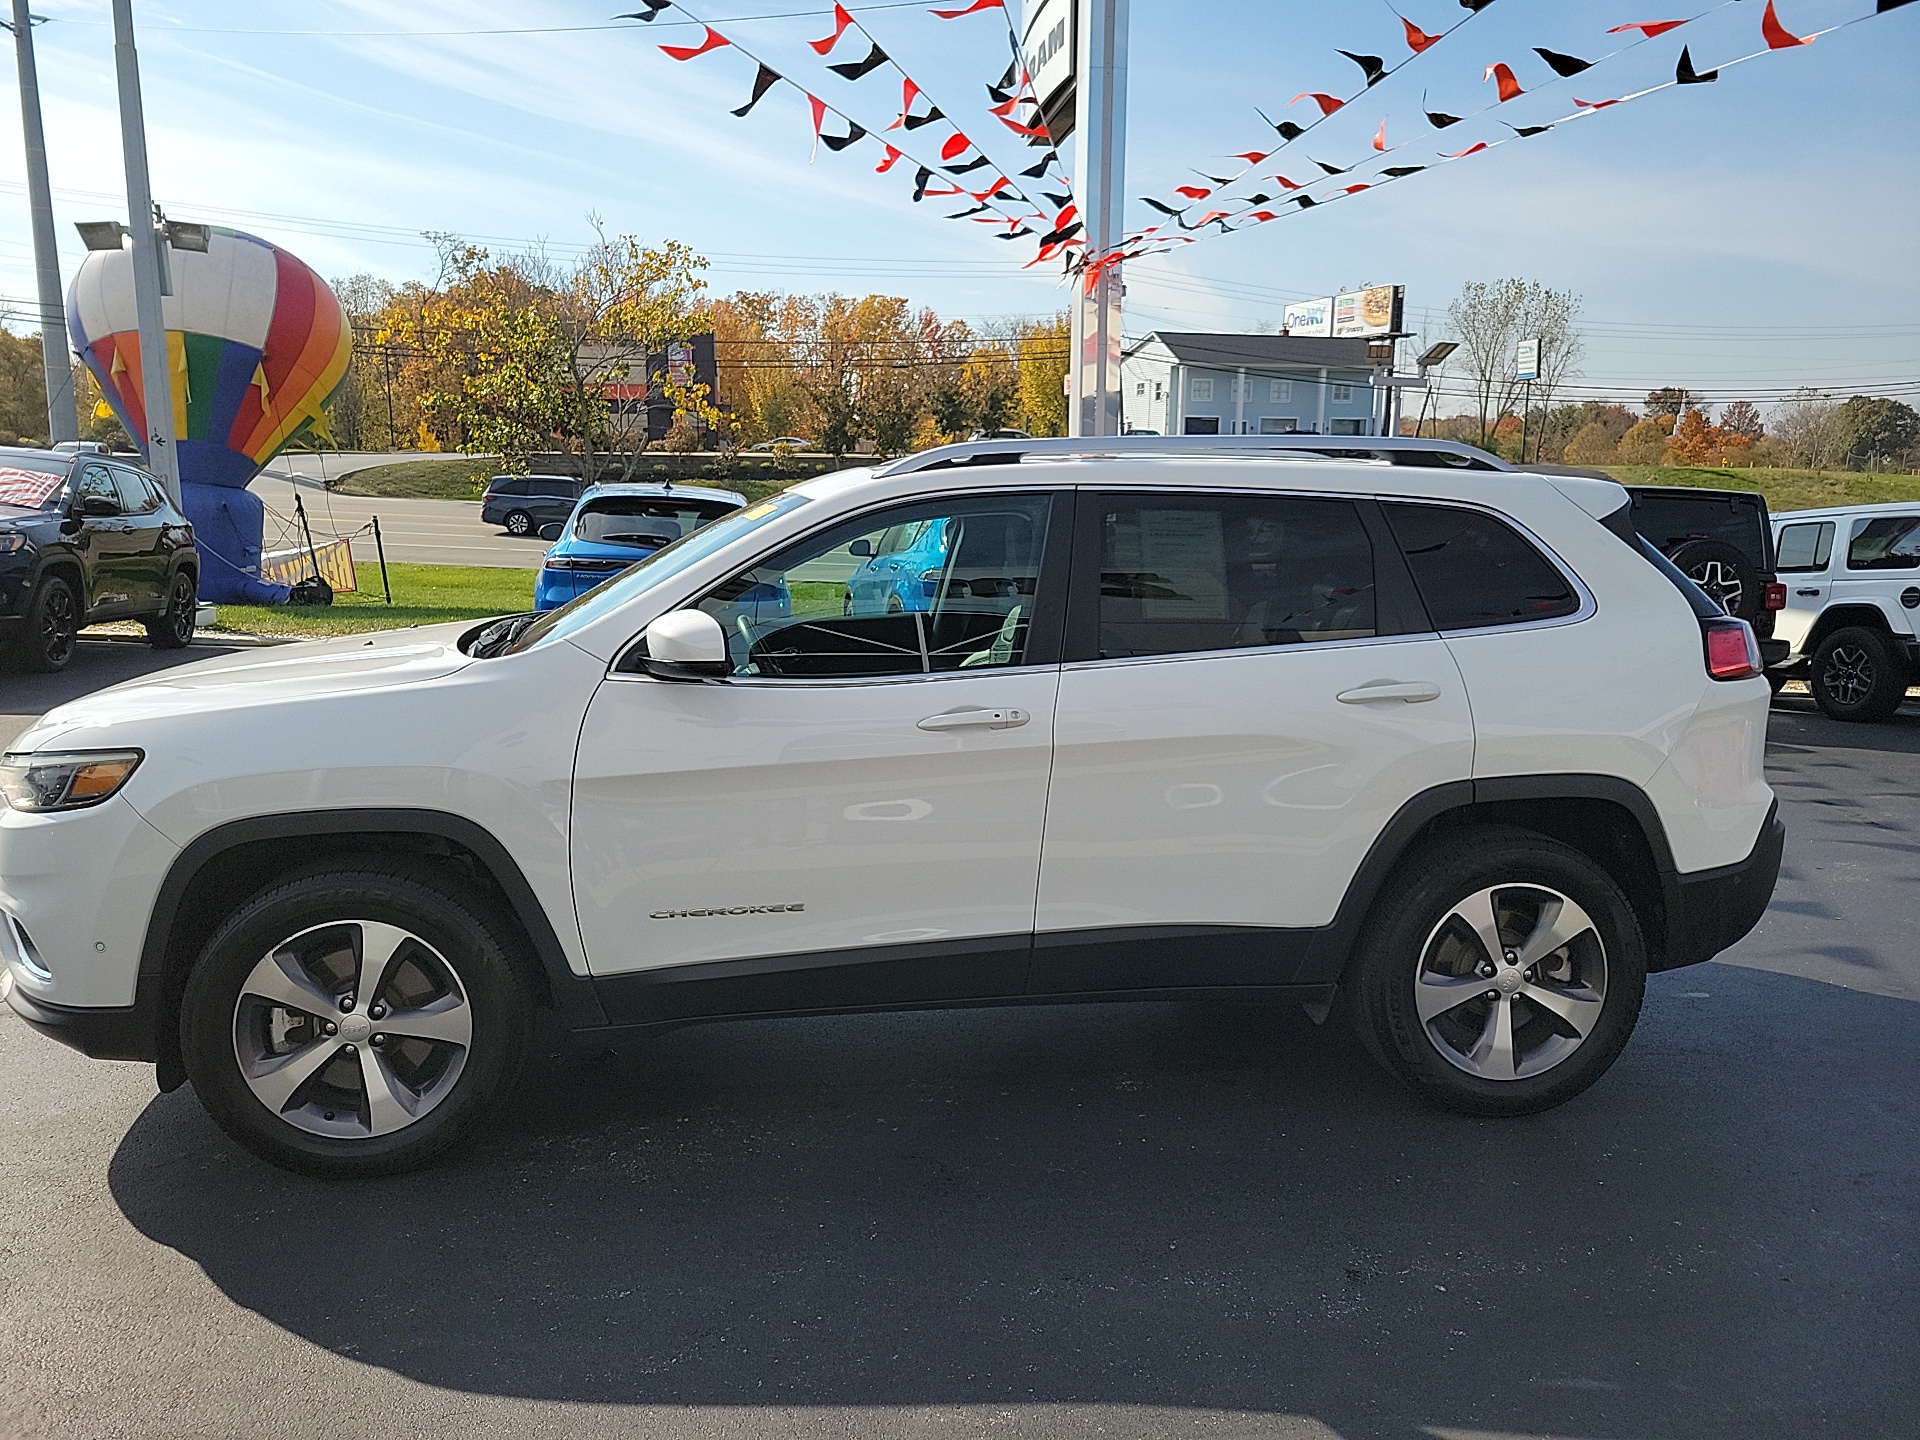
(1182, 383)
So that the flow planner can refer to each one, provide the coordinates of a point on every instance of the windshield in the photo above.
(643, 575)
(29, 485)
(624, 520)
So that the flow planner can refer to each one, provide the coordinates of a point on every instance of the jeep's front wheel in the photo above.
(1855, 675)
(172, 628)
(355, 1022)
(1503, 974)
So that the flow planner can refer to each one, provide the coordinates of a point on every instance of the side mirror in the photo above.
(862, 548)
(98, 506)
(552, 530)
(687, 645)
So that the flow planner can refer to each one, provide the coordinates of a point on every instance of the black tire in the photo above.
(1856, 675)
(52, 633)
(518, 522)
(1412, 931)
(172, 628)
(1727, 573)
(218, 1017)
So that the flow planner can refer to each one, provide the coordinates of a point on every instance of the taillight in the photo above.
(1777, 596)
(1732, 652)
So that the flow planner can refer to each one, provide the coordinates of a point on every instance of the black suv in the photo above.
(1722, 540)
(521, 504)
(84, 538)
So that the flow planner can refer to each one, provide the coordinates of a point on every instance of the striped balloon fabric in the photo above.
(257, 344)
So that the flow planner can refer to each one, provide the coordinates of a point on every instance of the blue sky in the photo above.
(1747, 236)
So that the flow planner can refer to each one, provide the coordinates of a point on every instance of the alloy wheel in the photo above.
(1511, 981)
(59, 626)
(1849, 674)
(352, 1029)
(183, 610)
(1721, 583)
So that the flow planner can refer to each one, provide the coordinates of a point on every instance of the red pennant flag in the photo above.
(1355, 189)
(1286, 182)
(973, 9)
(819, 108)
(1648, 28)
(909, 92)
(1472, 149)
(841, 20)
(1263, 215)
(1778, 36)
(1326, 103)
(1417, 39)
(1593, 104)
(956, 144)
(1509, 87)
(887, 164)
(1192, 192)
(713, 41)
(993, 189)
(1253, 157)
(1380, 140)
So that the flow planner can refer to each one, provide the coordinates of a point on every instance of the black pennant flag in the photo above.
(1012, 234)
(1886, 5)
(1685, 74)
(1332, 169)
(654, 7)
(1565, 66)
(973, 164)
(1305, 201)
(963, 214)
(1065, 232)
(840, 142)
(914, 122)
(1286, 128)
(1163, 209)
(922, 178)
(1257, 198)
(1439, 119)
(764, 80)
(855, 69)
(1398, 172)
(1060, 202)
(1006, 80)
(1034, 172)
(1475, 5)
(1523, 131)
(1371, 65)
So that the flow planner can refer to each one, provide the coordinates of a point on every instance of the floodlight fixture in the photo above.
(101, 234)
(1437, 354)
(187, 235)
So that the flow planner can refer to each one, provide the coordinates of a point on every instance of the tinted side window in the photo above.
(1182, 573)
(1891, 542)
(506, 485)
(1474, 570)
(955, 591)
(137, 497)
(560, 488)
(1805, 547)
(96, 482)
(1670, 521)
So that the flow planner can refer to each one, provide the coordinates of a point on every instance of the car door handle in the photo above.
(1814, 593)
(976, 720)
(1411, 691)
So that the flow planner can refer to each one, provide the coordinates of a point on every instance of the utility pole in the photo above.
(1099, 170)
(149, 261)
(62, 422)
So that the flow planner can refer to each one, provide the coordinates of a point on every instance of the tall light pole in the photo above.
(62, 422)
(149, 261)
(1099, 170)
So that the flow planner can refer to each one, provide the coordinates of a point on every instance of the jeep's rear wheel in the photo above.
(1855, 675)
(172, 628)
(350, 1022)
(52, 633)
(1502, 976)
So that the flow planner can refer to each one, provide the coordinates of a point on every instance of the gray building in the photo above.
(1182, 383)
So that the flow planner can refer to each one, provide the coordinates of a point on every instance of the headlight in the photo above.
(12, 542)
(67, 781)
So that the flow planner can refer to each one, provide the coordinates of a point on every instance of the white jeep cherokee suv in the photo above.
(1012, 721)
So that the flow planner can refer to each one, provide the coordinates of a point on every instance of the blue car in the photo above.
(612, 526)
(908, 567)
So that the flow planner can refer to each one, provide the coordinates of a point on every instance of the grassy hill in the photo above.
(453, 479)
(1784, 489)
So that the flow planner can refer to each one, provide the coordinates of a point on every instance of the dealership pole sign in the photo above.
(1526, 360)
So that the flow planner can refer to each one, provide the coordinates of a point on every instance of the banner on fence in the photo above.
(290, 567)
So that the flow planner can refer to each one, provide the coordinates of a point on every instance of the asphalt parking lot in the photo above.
(1152, 1220)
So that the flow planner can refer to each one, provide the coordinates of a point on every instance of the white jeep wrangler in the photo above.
(1852, 576)
(1012, 721)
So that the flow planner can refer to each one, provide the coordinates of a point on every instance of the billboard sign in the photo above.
(1047, 41)
(1526, 360)
(1309, 317)
(1373, 311)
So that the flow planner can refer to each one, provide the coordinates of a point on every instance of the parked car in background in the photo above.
(1852, 578)
(85, 538)
(780, 442)
(1722, 540)
(521, 504)
(612, 526)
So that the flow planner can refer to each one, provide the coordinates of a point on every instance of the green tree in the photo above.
(1670, 400)
(23, 390)
(1874, 429)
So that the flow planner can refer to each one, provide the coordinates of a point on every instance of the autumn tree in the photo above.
(1741, 417)
(1490, 320)
(1808, 429)
(23, 390)
(1041, 353)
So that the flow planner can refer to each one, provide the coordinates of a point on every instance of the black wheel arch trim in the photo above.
(574, 997)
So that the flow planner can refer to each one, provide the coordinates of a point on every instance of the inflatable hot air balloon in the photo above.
(257, 344)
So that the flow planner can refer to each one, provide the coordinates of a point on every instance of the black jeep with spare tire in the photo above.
(1722, 540)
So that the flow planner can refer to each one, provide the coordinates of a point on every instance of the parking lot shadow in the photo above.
(1169, 1206)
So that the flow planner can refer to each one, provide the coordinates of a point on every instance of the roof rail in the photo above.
(1393, 449)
